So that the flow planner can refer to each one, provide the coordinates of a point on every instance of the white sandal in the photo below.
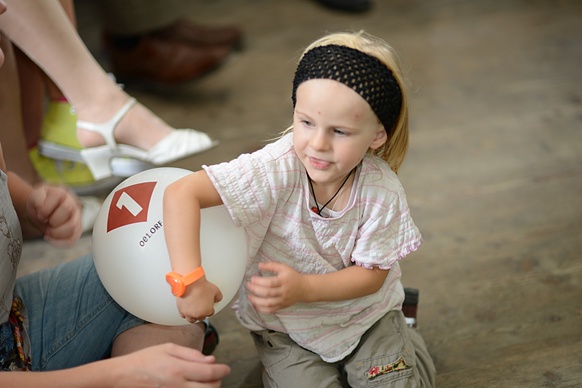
(180, 143)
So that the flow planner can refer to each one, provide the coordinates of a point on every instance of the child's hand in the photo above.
(271, 293)
(198, 301)
(56, 213)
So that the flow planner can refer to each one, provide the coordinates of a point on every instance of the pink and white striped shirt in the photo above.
(267, 192)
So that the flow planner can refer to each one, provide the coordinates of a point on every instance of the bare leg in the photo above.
(150, 334)
(11, 126)
(32, 97)
(33, 87)
(41, 29)
(53, 90)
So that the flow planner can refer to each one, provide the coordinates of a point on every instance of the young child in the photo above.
(327, 222)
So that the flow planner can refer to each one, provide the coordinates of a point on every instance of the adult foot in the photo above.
(168, 62)
(123, 136)
(348, 5)
(139, 127)
(198, 35)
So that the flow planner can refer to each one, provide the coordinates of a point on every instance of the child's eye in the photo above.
(340, 132)
(307, 123)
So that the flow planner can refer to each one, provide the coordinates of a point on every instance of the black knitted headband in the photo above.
(363, 73)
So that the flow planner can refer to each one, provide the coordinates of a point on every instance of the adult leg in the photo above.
(46, 116)
(35, 86)
(11, 125)
(150, 334)
(32, 97)
(72, 320)
(52, 90)
(42, 30)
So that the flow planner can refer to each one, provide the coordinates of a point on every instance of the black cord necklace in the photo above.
(316, 208)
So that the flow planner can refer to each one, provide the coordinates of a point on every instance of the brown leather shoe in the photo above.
(198, 35)
(164, 61)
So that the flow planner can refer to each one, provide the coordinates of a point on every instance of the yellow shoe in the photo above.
(58, 142)
(59, 125)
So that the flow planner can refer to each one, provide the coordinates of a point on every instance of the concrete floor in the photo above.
(493, 175)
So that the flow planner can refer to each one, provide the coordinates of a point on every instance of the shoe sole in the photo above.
(120, 167)
(101, 186)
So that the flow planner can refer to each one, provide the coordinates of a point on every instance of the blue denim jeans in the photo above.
(72, 320)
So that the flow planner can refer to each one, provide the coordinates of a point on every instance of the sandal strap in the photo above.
(106, 129)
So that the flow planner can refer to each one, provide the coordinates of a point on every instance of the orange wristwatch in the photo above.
(179, 282)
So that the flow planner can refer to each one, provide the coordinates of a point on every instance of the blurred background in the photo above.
(493, 175)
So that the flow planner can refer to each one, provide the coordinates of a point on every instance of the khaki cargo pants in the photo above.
(390, 354)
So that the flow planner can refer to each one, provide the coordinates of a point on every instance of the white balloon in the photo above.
(131, 256)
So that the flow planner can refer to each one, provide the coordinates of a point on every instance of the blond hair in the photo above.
(394, 150)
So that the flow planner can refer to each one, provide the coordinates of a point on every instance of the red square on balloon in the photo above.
(129, 205)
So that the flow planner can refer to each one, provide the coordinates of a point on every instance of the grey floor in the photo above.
(493, 176)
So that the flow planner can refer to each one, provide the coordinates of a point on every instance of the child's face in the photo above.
(334, 127)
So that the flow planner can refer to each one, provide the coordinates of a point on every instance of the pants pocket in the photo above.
(395, 370)
(385, 356)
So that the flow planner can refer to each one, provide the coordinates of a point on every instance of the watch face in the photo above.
(176, 284)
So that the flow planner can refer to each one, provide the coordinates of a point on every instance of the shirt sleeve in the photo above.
(249, 185)
(387, 232)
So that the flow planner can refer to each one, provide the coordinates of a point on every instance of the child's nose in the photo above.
(319, 140)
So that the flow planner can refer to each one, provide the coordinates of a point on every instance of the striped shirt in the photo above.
(268, 193)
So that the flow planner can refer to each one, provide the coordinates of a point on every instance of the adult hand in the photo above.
(168, 365)
(57, 214)
(271, 293)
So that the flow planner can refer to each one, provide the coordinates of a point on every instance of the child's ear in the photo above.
(379, 138)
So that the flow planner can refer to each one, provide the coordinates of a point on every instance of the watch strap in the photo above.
(193, 276)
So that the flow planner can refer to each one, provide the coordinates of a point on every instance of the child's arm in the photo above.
(183, 200)
(287, 286)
